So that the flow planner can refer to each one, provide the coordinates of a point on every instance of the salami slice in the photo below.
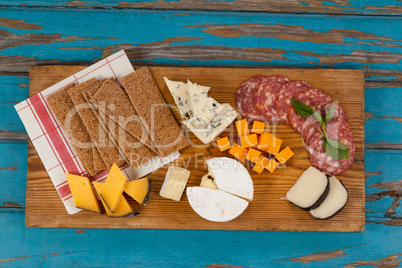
(307, 96)
(339, 112)
(244, 98)
(310, 124)
(322, 161)
(283, 98)
(264, 97)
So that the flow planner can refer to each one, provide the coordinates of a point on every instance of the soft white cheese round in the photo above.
(215, 205)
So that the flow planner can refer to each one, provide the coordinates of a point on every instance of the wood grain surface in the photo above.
(267, 211)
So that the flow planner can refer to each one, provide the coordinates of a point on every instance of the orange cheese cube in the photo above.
(273, 142)
(263, 147)
(258, 167)
(249, 141)
(271, 166)
(258, 127)
(242, 128)
(238, 152)
(284, 155)
(223, 144)
(253, 155)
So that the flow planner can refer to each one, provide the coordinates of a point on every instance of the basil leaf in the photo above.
(330, 114)
(318, 116)
(302, 109)
(335, 149)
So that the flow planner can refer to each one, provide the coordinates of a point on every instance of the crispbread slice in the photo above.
(119, 108)
(84, 112)
(61, 104)
(153, 110)
(107, 154)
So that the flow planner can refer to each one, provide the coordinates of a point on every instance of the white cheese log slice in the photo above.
(202, 105)
(175, 182)
(232, 177)
(334, 202)
(309, 190)
(215, 205)
(181, 96)
(208, 132)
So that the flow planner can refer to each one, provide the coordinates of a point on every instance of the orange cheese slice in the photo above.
(242, 127)
(83, 194)
(123, 209)
(223, 144)
(238, 152)
(284, 155)
(139, 190)
(258, 127)
(113, 189)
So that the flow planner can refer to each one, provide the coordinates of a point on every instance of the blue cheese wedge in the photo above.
(181, 96)
(202, 105)
(208, 131)
(215, 205)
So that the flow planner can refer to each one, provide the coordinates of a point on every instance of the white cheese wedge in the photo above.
(207, 181)
(181, 96)
(215, 205)
(208, 132)
(202, 105)
(232, 177)
(175, 182)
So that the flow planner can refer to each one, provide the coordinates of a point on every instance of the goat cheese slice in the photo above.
(215, 205)
(208, 131)
(203, 106)
(181, 96)
(231, 177)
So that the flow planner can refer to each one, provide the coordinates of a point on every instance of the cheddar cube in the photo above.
(242, 127)
(139, 190)
(271, 166)
(258, 127)
(275, 145)
(238, 152)
(123, 209)
(249, 141)
(113, 189)
(263, 147)
(258, 167)
(83, 194)
(223, 144)
(284, 155)
(253, 155)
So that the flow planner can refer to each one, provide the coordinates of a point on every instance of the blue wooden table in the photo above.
(351, 34)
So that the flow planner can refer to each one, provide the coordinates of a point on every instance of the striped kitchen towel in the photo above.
(54, 149)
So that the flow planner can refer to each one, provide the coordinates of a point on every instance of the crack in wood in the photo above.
(368, 115)
(19, 24)
(9, 135)
(369, 174)
(11, 205)
(9, 168)
(13, 259)
(214, 265)
(320, 256)
(389, 261)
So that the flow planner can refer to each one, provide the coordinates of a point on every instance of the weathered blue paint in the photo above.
(383, 101)
(13, 90)
(13, 172)
(382, 130)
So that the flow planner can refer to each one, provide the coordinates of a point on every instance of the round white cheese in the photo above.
(215, 205)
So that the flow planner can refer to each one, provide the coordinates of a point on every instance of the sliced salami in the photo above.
(322, 161)
(284, 95)
(339, 112)
(244, 98)
(306, 96)
(264, 97)
(310, 124)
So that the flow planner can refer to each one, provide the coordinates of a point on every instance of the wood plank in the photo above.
(355, 7)
(188, 38)
(267, 211)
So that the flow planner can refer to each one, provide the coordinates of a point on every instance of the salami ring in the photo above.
(310, 124)
(244, 98)
(284, 95)
(264, 97)
(321, 160)
(307, 96)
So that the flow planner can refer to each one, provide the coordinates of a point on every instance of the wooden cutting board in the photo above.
(267, 211)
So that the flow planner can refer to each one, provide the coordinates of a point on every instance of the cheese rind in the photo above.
(122, 210)
(215, 205)
(113, 189)
(175, 182)
(181, 96)
(83, 194)
(232, 177)
(207, 133)
(139, 190)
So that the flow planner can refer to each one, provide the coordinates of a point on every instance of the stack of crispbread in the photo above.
(108, 124)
